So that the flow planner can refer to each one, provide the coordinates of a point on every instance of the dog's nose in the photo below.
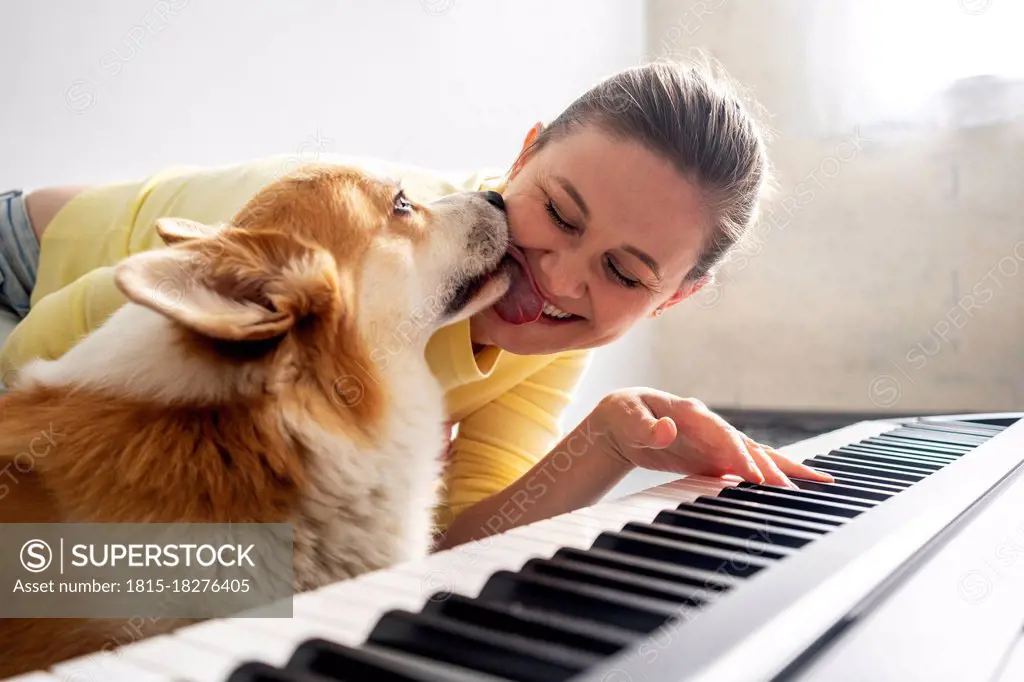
(495, 200)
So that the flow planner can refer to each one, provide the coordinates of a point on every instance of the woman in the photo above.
(622, 206)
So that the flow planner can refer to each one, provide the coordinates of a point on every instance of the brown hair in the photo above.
(697, 122)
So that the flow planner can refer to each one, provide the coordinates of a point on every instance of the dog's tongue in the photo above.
(523, 303)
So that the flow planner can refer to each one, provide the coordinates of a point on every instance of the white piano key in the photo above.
(579, 533)
(296, 629)
(338, 606)
(105, 667)
(225, 636)
(464, 570)
(610, 518)
(690, 488)
(515, 537)
(353, 624)
(180, 658)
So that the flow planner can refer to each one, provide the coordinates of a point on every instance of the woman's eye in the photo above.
(558, 219)
(617, 274)
(402, 205)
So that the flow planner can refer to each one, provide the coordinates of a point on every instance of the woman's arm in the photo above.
(43, 204)
(59, 320)
(576, 473)
(631, 428)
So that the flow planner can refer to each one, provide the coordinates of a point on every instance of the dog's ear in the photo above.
(177, 230)
(236, 286)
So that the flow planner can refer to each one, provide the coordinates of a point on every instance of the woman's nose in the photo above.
(563, 279)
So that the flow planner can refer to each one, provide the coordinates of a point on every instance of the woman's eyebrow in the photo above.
(574, 194)
(571, 190)
(647, 260)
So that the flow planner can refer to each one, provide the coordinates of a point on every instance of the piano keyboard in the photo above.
(697, 579)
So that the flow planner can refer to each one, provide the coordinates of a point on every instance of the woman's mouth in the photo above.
(551, 311)
(524, 303)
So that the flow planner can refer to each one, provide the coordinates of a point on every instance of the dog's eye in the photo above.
(402, 205)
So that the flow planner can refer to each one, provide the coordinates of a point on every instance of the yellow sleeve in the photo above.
(59, 320)
(501, 441)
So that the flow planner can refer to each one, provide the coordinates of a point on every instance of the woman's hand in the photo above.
(655, 430)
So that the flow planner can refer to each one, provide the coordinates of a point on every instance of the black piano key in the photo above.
(823, 496)
(261, 672)
(903, 451)
(902, 455)
(868, 482)
(887, 458)
(616, 579)
(920, 445)
(576, 633)
(919, 449)
(984, 430)
(846, 489)
(949, 439)
(877, 472)
(581, 601)
(765, 531)
(320, 660)
(778, 499)
(688, 554)
(774, 510)
(865, 479)
(662, 570)
(488, 651)
(754, 545)
(911, 447)
(756, 516)
(884, 460)
(890, 470)
(992, 425)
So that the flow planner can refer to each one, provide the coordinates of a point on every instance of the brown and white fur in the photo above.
(247, 381)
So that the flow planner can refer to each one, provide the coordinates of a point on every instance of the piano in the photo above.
(908, 567)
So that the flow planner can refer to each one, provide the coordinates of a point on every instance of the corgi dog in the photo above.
(242, 383)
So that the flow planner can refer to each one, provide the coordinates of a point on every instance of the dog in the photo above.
(243, 382)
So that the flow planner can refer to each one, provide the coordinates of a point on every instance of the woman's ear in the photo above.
(531, 137)
(685, 291)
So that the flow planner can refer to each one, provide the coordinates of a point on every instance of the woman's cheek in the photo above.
(526, 219)
(523, 226)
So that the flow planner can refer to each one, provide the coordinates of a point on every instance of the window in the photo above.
(923, 61)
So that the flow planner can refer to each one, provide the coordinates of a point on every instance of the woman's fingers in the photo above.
(773, 475)
(660, 431)
(745, 460)
(726, 450)
(796, 469)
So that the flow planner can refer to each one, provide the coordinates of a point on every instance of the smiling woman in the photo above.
(588, 230)
(617, 210)
(623, 206)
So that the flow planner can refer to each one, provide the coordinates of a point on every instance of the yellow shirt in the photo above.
(506, 406)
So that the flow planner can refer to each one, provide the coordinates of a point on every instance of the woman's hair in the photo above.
(695, 121)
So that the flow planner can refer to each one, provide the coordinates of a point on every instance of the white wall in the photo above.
(92, 94)
(895, 203)
(115, 89)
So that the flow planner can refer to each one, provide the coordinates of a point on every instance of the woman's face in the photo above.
(607, 231)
